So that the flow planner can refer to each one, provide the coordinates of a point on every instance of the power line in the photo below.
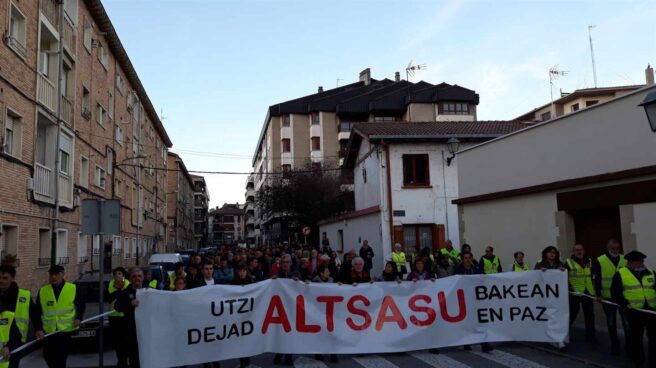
(232, 172)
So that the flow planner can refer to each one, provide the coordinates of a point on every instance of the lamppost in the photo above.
(649, 104)
(453, 144)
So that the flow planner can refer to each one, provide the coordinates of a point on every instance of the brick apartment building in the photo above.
(180, 208)
(201, 206)
(314, 130)
(227, 224)
(76, 123)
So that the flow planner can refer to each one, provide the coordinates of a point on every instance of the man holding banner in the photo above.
(580, 281)
(17, 301)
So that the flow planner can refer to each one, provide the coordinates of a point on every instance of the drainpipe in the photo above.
(389, 193)
(60, 68)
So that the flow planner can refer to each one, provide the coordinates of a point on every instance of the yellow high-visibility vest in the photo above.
(452, 256)
(608, 270)
(518, 268)
(490, 267)
(580, 278)
(58, 313)
(22, 313)
(6, 319)
(399, 260)
(113, 289)
(638, 292)
(153, 284)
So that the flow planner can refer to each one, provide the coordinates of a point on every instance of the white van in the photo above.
(168, 260)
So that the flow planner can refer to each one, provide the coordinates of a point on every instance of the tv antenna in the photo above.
(554, 73)
(337, 82)
(161, 115)
(594, 66)
(411, 69)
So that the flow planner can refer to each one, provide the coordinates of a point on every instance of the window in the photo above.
(44, 61)
(87, 34)
(286, 145)
(65, 153)
(590, 103)
(314, 118)
(316, 143)
(70, 7)
(118, 188)
(103, 55)
(385, 119)
(84, 172)
(13, 134)
(120, 84)
(116, 241)
(118, 135)
(100, 116)
(134, 248)
(545, 116)
(417, 236)
(575, 107)
(86, 103)
(286, 171)
(126, 248)
(8, 240)
(454, 108)
(17, 31)
(110, 106)
(110, 160)
(44, 248)
(96, 245)
(415, 170)
(82, 256)
(62, 247)
(343, 147)
(286, 120)
(101, 177)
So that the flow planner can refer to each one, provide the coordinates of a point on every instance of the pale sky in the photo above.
(215, 66)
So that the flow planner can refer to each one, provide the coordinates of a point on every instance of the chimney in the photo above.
(365, 76)
(397, 77)
(649, 74)
(320, 89)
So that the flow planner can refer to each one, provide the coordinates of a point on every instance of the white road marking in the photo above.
(305, 362)
(374, 361)
(439, 360)
(509, 360)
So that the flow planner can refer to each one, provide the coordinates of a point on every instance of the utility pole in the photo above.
(594, 66)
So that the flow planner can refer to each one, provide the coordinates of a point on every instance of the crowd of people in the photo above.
(621, 283)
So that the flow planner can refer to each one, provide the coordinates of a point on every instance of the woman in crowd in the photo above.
(180, 283)
(390, 273)
(419, 272)
(550, 260)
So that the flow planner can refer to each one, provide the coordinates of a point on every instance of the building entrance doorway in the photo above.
(594, 227)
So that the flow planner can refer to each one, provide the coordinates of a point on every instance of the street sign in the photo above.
(101, 216)
(306, 230)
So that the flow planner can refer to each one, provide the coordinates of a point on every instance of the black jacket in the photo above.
(596, 271)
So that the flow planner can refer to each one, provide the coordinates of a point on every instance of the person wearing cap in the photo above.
(603, 271)
(633, 287)
(58, 307)
(580, 281)
(18, 301)
(116, 319)
(398, 257)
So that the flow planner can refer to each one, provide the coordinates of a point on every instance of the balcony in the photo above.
(65, 190)
(69, 37)
(46, 92)
(67, 110)
(50, 10)
(250, 192)
(42, 180)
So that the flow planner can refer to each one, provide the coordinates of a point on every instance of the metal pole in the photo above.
(594, 66)
(101, 256)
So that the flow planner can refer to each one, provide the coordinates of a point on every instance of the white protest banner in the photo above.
(222, 322)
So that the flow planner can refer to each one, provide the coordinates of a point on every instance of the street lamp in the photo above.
(453, 144)
(649, 104)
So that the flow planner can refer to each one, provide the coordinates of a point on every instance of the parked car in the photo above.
(186, 255)
(160, 274)
(168, 260)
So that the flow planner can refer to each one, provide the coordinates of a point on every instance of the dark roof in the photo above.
(433, 131)
(104, 23)
(228, 209)
(300, 105)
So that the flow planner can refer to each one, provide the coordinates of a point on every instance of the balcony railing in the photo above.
(67, 110)
(62, 260)
(42, 180)
(50, 10)
(81, 260)
(43, 262)
(65, 190)
(69, 36)
(47, 92)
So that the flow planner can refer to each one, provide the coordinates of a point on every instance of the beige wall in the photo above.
(420, 112)
(644, 230)
(330, 145)
(301, 140)
(577, 145)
